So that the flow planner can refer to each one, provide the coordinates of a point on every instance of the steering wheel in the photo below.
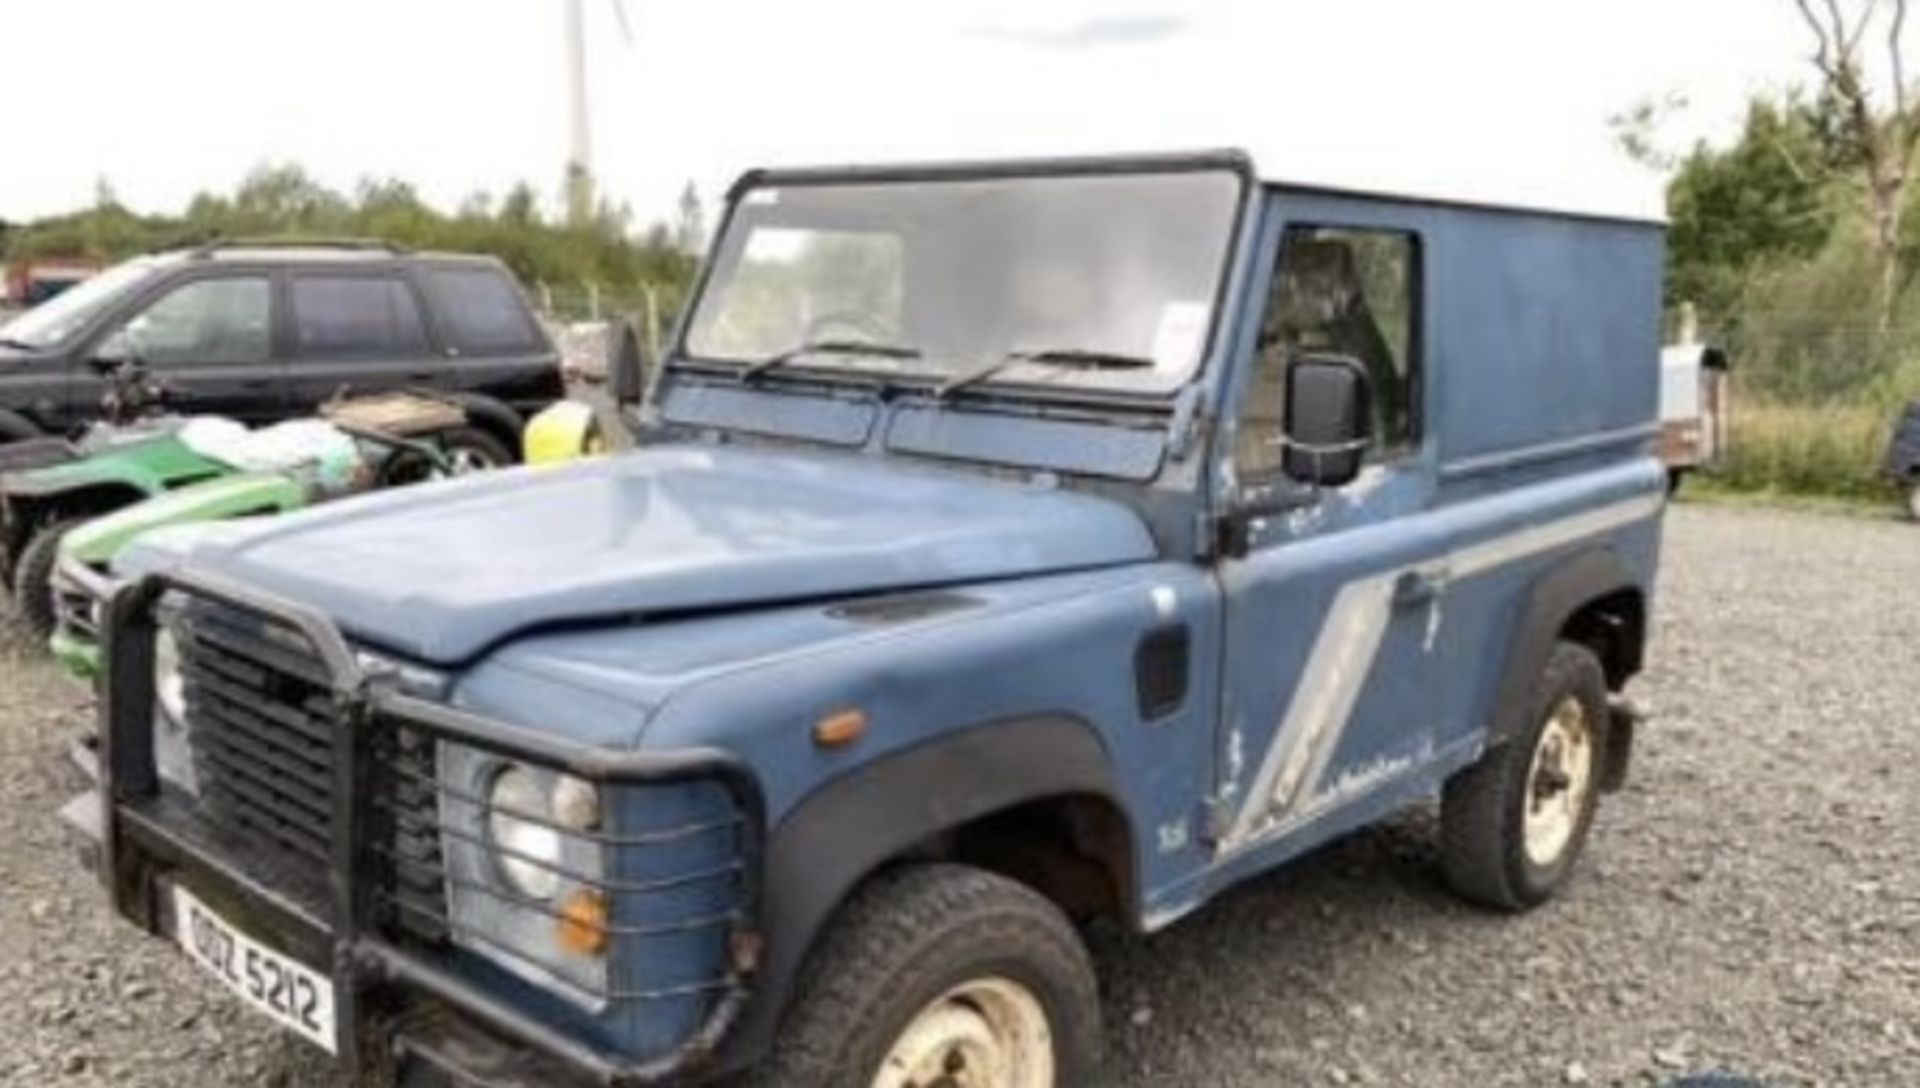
(829, 327)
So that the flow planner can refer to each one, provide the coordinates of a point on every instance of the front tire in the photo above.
(470, 450)
(1514, 824)
(942, 975)
(33, 577)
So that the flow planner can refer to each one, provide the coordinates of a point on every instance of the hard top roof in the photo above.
(1624, 197)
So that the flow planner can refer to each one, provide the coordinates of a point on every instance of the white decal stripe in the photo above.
(1323, 699)
(1343, 653)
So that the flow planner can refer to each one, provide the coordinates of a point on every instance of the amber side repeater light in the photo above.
(840, 729)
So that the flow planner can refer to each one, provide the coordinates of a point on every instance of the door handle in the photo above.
(1422, 584)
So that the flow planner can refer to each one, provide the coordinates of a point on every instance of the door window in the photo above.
(356, 317)
(1337, 291)
(206, 321)
(481, 311)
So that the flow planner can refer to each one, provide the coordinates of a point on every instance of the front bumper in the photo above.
(398, 1004)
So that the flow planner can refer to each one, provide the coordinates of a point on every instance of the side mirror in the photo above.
(1329, 420)
(116, 352)
(626, 366)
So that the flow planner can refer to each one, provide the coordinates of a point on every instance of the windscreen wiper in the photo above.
(1072, 358)
(10, 342)
(828, 347)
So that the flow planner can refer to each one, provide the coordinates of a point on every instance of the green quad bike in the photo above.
(208, 460)
(379, 456)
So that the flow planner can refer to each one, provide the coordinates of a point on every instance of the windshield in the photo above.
(58, 318)
(956, 275)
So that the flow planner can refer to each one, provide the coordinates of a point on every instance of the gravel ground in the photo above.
(1750, 904)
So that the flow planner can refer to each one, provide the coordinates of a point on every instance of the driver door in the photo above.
(1333, 601)
(209, 342)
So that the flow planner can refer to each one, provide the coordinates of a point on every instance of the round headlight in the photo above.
(168, 686)
(529, 851)
(576, 804)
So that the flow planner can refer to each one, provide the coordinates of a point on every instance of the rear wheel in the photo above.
(1514, 824)
(940, 976)
(1913, 500)
(33, 576)
(470, 450)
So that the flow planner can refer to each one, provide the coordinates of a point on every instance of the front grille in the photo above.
(674, 859)
(260, 715)
(413, 880)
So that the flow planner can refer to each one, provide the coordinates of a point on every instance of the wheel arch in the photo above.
(15, 426)
(29, 509)
(493, 416)
(1592, 598)
(954, 798)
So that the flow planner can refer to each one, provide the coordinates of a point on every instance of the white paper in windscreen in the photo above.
(1180, 337)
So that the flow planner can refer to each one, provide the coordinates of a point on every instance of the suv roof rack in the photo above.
(351, 245)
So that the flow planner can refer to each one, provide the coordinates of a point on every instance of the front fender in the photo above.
(846, 830)
(139, 468)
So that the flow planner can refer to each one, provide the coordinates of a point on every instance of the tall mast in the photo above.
(579, 134)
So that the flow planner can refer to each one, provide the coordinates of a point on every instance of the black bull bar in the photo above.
(136, 836)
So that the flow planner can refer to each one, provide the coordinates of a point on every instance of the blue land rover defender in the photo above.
(1006, 545)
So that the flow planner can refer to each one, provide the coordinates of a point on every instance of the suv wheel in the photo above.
(940, 976)
(470, 450)
(33, 577)
(1513, 825)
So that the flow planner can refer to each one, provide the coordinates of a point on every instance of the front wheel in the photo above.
(1514, 824)
(33, 577)
(941, 976)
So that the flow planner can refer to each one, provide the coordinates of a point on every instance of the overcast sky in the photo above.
(165, 97)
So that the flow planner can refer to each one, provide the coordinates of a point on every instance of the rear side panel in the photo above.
(1546, 330)
(1370, 629)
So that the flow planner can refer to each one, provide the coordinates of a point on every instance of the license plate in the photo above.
(292, 994)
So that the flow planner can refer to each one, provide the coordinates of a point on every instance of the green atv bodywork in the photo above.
(82, 581)
(115, 476)
(38, 504)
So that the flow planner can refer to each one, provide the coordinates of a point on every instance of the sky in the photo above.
(162, 98)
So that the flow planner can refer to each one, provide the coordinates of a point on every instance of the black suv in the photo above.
(263, 331)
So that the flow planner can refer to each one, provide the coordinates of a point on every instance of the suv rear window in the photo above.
(481, 311)
(347, 317)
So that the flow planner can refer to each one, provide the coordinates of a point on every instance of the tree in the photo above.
(1637, 130)
(1884, 138)
(1733, 210)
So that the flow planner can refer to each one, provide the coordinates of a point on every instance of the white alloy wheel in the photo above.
(991, 1033)
(1559, 782)
(465, 461)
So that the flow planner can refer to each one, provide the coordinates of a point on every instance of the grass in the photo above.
(1707, 490)
(1820, 454)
